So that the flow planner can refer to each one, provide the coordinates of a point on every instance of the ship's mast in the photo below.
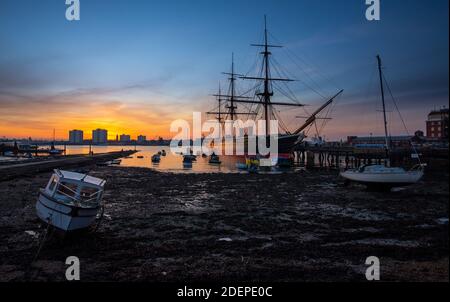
(386, 133)
(219, 99)
(232, 79)
(219, 112)
(232, 98)
(265, 96)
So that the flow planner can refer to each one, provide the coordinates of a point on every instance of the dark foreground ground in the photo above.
(292, 227)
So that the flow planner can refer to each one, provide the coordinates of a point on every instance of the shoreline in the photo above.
(162, 226)
(33, 167)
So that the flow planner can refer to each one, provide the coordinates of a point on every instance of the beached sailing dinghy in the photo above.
(70, 201)
(381, 176)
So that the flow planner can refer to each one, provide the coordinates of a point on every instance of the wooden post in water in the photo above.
(309, 159)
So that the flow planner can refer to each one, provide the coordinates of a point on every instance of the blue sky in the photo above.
(139, 55)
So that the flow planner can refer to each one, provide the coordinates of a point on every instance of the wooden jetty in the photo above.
(11, 171)
(348, 157)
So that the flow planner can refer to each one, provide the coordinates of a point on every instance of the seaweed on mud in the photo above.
(234, 227)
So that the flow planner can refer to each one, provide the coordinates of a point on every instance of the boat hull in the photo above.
(286, 144)
(383, 179)
(62, 216)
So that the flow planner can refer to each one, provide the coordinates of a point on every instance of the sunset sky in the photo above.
(135, 66)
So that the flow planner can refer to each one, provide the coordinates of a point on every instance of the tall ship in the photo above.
(263, 99)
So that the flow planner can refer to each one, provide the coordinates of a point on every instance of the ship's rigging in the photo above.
(269, 78)
(231, 99)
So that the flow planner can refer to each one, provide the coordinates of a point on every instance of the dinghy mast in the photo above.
(380, 72)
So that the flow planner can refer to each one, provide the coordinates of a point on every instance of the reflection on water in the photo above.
(174, 162)
(169, 163)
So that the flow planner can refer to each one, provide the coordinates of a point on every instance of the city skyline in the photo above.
(67, 136)
(140, 136)
(125, 67)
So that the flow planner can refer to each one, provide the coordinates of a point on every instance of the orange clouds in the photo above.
(37, 117)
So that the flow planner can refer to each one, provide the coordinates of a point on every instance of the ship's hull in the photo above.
(286, 145)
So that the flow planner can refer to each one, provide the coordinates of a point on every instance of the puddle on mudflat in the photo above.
(378, 242)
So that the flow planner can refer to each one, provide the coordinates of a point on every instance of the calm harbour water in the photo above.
(170, 163)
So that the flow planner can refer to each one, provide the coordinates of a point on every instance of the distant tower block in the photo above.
(76, 137)
(141, 139)
(125, 138)
(100, 136)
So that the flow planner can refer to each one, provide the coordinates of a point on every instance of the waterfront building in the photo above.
(99, 136)
(76, 136)
(125, 138)
(437, 124)
(379, 141)
(142, 139)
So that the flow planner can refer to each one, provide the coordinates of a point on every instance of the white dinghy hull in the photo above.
(382, 176)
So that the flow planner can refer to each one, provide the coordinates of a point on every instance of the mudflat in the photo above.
(303, 226)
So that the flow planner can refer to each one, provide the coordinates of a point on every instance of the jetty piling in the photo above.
(346, 157)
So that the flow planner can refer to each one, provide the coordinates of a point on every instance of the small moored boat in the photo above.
(241, 166)
(253, 164)
(156, 158)
(214, 160)
(188, 159)
(116, 162)
(70, 201)
(55, 152)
